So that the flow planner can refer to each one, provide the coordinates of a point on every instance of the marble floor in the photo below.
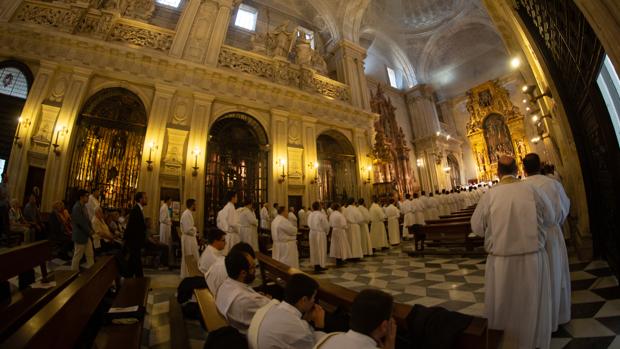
(453, 283)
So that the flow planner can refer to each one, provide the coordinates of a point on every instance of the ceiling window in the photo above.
(171, 3)
(392, 77)
(246, 17)
(307, 34)
(13, 83)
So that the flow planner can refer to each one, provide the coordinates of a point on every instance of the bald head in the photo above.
(506, 165)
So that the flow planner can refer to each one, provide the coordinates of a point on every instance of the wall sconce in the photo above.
(60, 131)
(149, 162)
(530, 89)
(368, 169)
(196, 152)
(535, 140)
(315, 166)
(446, 169)
(420, 162)
(20, 121)
(282, 163)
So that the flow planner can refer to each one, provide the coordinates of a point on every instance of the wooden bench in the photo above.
(454, 233)
(178, 332)
(25, 303)
(206, 302)
(475, 336)
(59, 323)
(456, 215)
(448, 220)
(133, 292)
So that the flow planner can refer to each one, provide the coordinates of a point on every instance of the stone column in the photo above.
(309, 144)
(198, 137)
(184, 27)
(422, 111)
(278, 191)
(18, 163)
(7, 9)
(360, 143)
(350, 69)
(57, 169)
(220, 27)
(155, 133)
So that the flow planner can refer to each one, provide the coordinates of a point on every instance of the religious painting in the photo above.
(484, 98)
(497, 137)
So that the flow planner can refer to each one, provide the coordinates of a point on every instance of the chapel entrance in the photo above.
(337, 167)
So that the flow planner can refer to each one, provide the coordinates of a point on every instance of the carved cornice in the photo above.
(150, 67)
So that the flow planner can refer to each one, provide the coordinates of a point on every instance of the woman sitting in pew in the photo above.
(103, 240)
(60, 232)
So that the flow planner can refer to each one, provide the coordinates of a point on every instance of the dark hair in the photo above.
(275, 204)
(226, 337)
(531, 163)
(360, 201)
(415, 195)
(82, 192)
(350, 201)
(423, 192)
(316, 206)
(236, 262)
(189, 203)
(407, 196)
(335, 206)
(167, 198)
(281, 209)
(391, 200)
(137, 197)
(375, 198)
(230, 195)
(214, 235)
(243, 247)
(370, 308)
(298, 286)
(509, 168)
(247, 202)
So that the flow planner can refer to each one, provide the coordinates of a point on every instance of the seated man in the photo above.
(285, 325)
(153, 246)
(216, 274)
(217, 241)
(372, 325)
(235, 299)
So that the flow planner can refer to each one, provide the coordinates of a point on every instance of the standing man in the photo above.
(303, 217)
(392, 214)
(213, 252)
(291, 216)
(378, 236)
(339, 247)
(248, 225)
(165, 222)
(512, 218)
(189, 245)
(265, 218)
(135, 235)
(319, 227)
(228, 221)
(81, 232)
(364, 232)
(406, 209)
(284, 236)
(556, 247)
(353, 216)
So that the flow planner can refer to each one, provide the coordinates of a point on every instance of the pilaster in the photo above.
(278, 191)
(220, 27)
(350, 69)
(184, 27)
(422, 111)
(309, 144)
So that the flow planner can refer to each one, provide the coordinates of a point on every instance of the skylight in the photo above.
(246, 17)
(392, 77)
(171, 3)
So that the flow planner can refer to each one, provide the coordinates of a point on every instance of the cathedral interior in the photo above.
(297, 101)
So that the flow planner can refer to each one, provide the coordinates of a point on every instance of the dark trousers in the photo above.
(134, 262)
(159, 249)
(5, 225)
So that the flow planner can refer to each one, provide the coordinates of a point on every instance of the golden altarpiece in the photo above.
(495, 127)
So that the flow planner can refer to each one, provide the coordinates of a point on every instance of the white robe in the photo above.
(189, 245)
(348, 340)
(392, 214)
(216, 275)
(165, 225)
(378, 236)
(556, 248)
(292, 218)
(208, 257)
(364, 231)
(282, 326)
(425, 207)
(418, 211)
(406, 209)
(265, 219)
(228, 222)
(91, 206)
(238, 302)
(353, 216)
(248, 225)
(511, 218)
(319, 227)
(284, 236)
(339, 247)
(303, 218)
(433, 210)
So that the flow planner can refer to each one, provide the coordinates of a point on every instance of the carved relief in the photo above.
(174, 152)
(180, 112)
(59, 87)
(140, 9)
(201, 31)
(64, 19)
(487, 99)
(141, 37)
(294, 132)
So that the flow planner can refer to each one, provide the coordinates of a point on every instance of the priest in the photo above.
(354, 218)
(319, 227)
(339, 248)
(364, 232)
(284, 236)
(248, 225)
(378, 235)
(228, 221)
(189, 245)
(392, 214)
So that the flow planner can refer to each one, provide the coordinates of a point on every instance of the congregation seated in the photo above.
(60, 231)
(217, 273)
(235, 298)
(103, 239)
(216, 240)
(113, 224)
(286, 324)
(17, 222)
(32, 215)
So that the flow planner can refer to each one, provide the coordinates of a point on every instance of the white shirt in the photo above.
(292, 218)
(303, 218)
(208, 258)
(228, 219)
(365, 214)
(556, 194)
(283, 327)
(247, 218)
(353, 215)
(349, 340)
(392, 212)
(264, 218)
(238, 302)
(337, 220)
(164, 215)
(216, 275)
(282, 230)
(317, 221)
(187, 223)
(376, 213)
(91, 206)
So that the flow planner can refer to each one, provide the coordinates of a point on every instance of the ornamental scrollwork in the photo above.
(141, 37)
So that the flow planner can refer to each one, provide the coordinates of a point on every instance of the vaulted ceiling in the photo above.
(450, 44)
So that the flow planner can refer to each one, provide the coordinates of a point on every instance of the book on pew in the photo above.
(125, 315)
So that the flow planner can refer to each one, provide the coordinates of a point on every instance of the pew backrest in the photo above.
(22, 258)
(191, 262)
(211, 317)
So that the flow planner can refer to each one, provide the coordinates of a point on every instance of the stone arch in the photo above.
(399, 56)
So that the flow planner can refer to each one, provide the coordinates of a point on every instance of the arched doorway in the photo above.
(337, 167)
(454, 171)
(497, 137)
(15, 82)
(237, 159)
(107, 148)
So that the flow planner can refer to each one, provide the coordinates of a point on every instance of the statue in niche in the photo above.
(140, 9)
(497, 137)
(484, 98)
(303, 52)
(281, 40)
(114, 5)
(318, 62)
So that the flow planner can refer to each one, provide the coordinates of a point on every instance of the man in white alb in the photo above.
(284, 236)
(556, 247)
(392, 213)
(319, 227)
(235, 298)
(517, 293)
(213, 252)
(93, 203)
(353, 216)
(228, 221)
(248, 225)
(406, 210)
(378, 235)
(265, 218)
(303, 217)
(165, 222)
(189, 245)
(364, 231)
(292, 217)
(339, 247)
(418, 209)
(285, 324)
(216, 275)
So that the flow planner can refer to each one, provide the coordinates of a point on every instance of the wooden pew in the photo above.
(27, 302)
(448, 220)
(476, 336)
(456, 215)
(178, 332)
(450, 233)
(206, 302)
(60, 322)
